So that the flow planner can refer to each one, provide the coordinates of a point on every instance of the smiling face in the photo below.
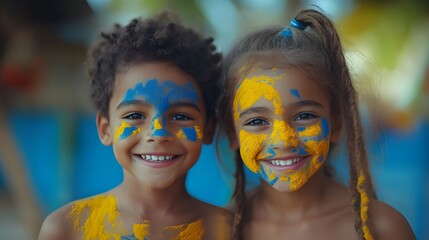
(156, 122)
(282, 122)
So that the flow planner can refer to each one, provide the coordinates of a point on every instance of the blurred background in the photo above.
(50, 153)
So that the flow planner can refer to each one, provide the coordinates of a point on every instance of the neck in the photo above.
(150, 201)
(294, 204)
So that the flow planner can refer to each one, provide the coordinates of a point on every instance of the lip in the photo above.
(300, 161)
(153, 162)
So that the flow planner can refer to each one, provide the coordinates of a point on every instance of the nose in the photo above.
(283, 135)
(158, 132)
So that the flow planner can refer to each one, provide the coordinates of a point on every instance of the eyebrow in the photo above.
(185, 104)
(253, 110)
(307, 103)
(132, 102)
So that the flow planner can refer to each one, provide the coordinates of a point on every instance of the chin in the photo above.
(286, 187)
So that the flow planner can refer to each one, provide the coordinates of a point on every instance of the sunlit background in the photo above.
(49, 149)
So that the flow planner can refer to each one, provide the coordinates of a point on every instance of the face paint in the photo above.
(100, 208)
(251, 90)
(315, 140)
(190, 133)
(295, 92)
(103, 223)
(124, 131)
(163, 95)
(310, 141)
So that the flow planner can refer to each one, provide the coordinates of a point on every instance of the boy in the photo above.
(153, 82)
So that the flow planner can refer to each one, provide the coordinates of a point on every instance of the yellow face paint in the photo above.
(311, 141)
(316, 144)
(254, 88)
(125, 130)
(250, 145)
(157, 124)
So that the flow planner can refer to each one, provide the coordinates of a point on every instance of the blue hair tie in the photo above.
(285, 32)
(298, 25)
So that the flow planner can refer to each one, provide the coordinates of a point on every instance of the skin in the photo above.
(314, 206)
(156, 109)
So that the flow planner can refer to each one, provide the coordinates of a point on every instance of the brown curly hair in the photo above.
(158, 39)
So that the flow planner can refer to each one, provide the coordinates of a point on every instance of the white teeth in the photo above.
(156, 157)
(285, 162)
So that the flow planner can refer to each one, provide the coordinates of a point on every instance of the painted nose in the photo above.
(158, 132)
(283, 135)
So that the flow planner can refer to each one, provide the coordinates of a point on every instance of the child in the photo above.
(288, 96)
(153, 82)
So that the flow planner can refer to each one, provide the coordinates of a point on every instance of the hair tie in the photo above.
(298, 25)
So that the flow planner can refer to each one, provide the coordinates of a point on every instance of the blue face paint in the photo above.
(190, 133)
(271, 152)
(322, 136)
(266, 178)
(295, 92)
(162, 95)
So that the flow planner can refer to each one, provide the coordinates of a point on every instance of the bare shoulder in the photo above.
(57, 225)
(388, 223)
(217, 222)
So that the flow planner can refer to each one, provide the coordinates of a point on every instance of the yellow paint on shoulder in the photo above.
(141, 230)
(100, 210)
(192, 231)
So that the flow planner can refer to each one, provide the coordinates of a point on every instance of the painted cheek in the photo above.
(268, 175)
(124, 131)
(250, 145)
(315, 139)
(191, 133)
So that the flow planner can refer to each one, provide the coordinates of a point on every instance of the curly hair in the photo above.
(318, 52)
(158, 39)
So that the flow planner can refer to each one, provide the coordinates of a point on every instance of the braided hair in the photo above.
(312, 45)
(158, 39)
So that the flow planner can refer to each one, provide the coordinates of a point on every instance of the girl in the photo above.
(290, 96)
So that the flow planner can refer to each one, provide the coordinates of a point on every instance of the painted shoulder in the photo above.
(388, 223)
(57, 225)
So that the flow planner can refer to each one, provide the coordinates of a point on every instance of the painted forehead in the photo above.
(157, 93)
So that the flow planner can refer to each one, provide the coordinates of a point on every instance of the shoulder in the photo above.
(217, 222)
(388, 223)
(60, 224)
(57, 225)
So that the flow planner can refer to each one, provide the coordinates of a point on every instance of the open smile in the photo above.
(290, 163)
(157, 160)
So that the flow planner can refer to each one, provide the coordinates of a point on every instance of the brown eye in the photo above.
(256, 122)
(133, 116)
(305, 116)
(181, 117)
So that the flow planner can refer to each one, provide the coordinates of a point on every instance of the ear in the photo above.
(103, 129)
(336, 128)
